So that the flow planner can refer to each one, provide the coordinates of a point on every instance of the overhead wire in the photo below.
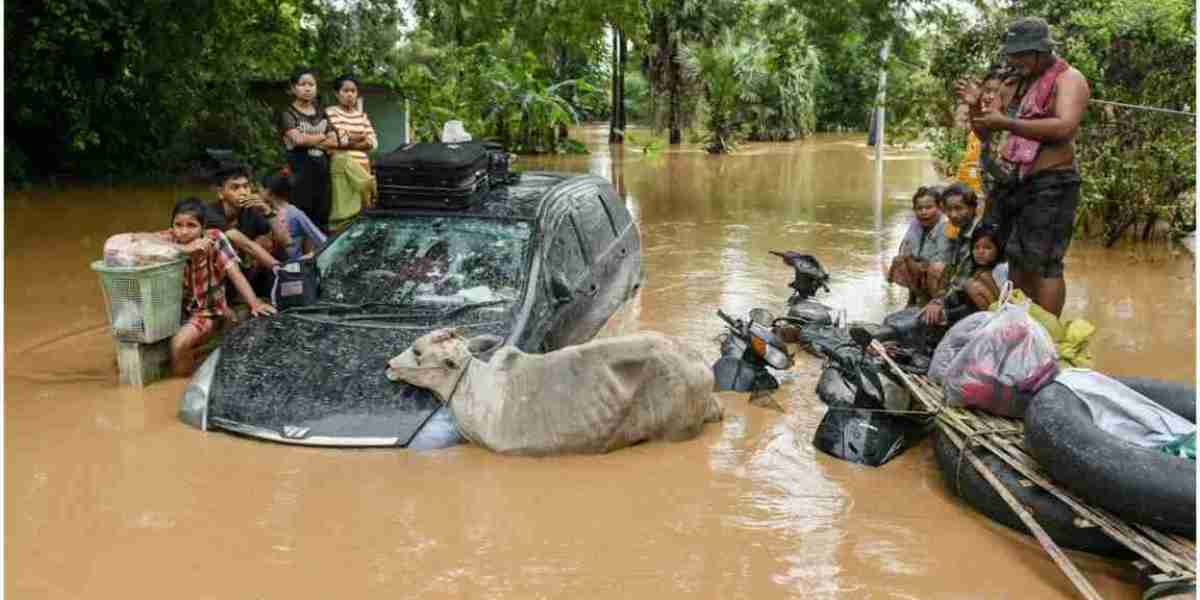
(1168, 111)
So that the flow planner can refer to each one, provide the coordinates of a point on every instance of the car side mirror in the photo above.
(560, 290)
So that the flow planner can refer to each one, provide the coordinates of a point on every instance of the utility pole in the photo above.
(882, 98)
(879, 141)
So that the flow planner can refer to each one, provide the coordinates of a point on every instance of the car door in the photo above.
(568, 282)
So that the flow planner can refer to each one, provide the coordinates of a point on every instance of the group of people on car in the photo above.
(251, 228)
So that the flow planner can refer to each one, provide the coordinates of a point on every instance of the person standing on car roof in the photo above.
(307, 134)
(350, 168)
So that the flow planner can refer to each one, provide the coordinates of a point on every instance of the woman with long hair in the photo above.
(307, 134)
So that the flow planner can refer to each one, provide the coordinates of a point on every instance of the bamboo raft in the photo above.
(1172, 555)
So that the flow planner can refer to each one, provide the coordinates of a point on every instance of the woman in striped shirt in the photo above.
(350, 168)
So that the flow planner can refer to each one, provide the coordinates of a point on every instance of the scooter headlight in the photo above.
(777, 358)
(768, 352)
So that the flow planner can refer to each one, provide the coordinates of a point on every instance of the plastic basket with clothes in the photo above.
(144, 303)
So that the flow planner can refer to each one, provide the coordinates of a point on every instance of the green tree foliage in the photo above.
(100, 87)
(518, 71)
(497, 89)
(761, 89)
(786, 94)
(848, 37)
(129, 88)
(729, 74)
(672, 25)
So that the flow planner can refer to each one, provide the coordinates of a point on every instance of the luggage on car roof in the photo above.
(434, 175)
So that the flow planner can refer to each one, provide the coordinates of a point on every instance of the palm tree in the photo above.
(732, 73)
(673, 24)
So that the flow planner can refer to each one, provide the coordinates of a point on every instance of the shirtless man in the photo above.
(1039, 186)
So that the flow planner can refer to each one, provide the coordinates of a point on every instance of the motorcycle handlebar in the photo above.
(730, 320)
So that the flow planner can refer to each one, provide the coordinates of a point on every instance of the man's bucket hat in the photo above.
(1028, 34)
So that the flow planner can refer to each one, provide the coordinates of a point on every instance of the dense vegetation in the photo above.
(129, 88)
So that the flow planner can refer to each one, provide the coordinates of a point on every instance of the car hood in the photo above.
(307, 381)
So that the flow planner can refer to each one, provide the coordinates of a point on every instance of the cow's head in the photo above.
(434, 362)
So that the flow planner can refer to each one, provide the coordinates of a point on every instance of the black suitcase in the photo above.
(433, 175)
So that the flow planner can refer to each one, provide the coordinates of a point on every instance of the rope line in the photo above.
(1149, 108)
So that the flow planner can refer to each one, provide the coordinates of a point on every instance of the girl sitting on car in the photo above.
(211, 261)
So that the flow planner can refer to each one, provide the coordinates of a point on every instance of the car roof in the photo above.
(520, 197)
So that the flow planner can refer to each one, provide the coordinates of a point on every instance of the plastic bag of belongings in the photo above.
(124, 250)
(591, 398)
(1003, 357)
(1071, 338)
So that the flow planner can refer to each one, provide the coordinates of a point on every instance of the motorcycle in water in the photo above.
(747, 349)
(809, 278)
(870, 437)
(808, 323)
(869, 421)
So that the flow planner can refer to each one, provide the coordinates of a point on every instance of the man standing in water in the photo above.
(1037, 178)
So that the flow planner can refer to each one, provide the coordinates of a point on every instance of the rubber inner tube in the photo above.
(1171, 589)
(1142, 485)
(1058, 519)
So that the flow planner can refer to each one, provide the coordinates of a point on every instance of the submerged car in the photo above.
(540, 262)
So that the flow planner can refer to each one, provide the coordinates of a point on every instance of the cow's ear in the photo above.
(483, 343)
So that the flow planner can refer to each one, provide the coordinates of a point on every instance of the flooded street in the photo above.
(108, 495)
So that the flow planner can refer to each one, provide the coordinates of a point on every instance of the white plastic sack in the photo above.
(454, 133)
(123, 250)
(1009, 358)
(954, 341)
(1122, 411)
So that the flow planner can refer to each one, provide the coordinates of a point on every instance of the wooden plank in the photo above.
(1112, 526)
(1173, 543)
(970, 424)
(1068, 568)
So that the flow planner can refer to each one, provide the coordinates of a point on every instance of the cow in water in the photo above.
(591, 398)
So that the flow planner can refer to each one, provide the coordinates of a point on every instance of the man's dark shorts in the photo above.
(1037, 219)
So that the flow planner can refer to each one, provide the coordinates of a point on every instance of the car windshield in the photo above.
(429, 260)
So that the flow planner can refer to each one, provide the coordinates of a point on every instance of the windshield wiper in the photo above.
(426, 314)
(340, 307)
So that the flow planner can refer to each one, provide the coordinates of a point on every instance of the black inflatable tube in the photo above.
(1052, 514)
(1139, 484)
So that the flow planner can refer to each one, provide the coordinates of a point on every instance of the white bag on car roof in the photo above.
(454, 133)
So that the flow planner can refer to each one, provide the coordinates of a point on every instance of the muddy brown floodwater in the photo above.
(107, 495)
